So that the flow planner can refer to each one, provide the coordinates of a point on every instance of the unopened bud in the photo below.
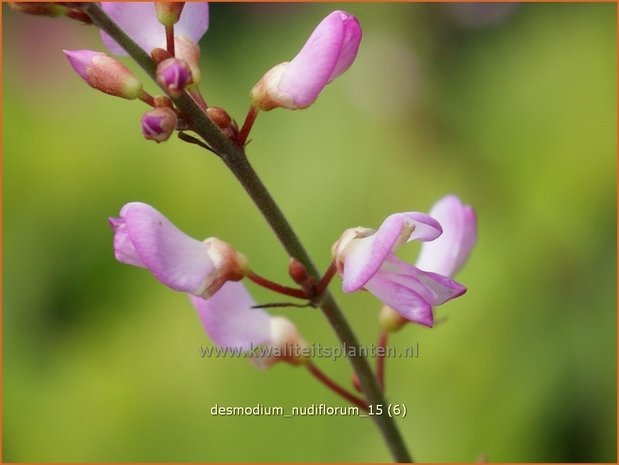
(220, 117)
(159, 124)
(297, 271)
(329, 51)
(39, 9)
(174, 75)
(168, 13)
(390, 320)
(299, 275)
(189, 51)
(104, 73)
(51, 9)
(160, 54)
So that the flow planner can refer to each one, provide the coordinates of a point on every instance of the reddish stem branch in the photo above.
(169, 38)
(326, 278)
(289, 291)
(381, 358)
(147, 98)
(339, 390)
(252, 113)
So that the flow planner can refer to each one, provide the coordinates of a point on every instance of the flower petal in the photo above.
(328, 52)
(412, 292)
(194, 21)
(230, 321)
(350, 44)
(139, 21)
(365, 256)
(447, 254)
(124, 251)
(423, 227)
(408, 303)
(177, 260)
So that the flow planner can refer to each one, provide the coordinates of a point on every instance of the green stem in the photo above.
(234, 157)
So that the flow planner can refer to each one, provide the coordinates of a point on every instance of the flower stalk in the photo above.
(235, 159)
(335, 387)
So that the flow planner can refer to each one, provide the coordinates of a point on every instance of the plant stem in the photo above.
(276, 287)
(169, 38)
(381, 359)
(335, 387)
(252, 113)
(234, 157)
(326, 278)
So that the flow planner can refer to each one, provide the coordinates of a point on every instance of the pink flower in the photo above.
(139, 21)
(447, 254)
(144, 237)
(104, 73)
(365, 260)
(231, 322)
(329, 51)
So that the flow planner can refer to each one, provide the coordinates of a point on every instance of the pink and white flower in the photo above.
(365, 259)
(231, 321)
(328, 53)
(144, 237)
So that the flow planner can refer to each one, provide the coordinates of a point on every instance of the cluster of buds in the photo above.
(170, 32)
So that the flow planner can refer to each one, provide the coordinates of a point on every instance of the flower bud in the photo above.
(39, 8)
(168, 13)
(159, 124)
(160, 54)
(189, 51)
(329, 51)
(104, 73)
(298, 272)
(174, 75)
(220, 117)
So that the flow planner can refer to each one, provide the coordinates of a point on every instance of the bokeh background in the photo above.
(512, 107)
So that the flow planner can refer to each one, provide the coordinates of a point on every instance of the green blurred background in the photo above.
(512, 108)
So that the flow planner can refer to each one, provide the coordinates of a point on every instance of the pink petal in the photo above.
(177, 260)
(447, 254)
(408, 303)
(81, 61)
(124, 251)
(437, 289)
(230, 321)
(139, 21)
(412, 292)
(350, 44)
(367, 255)
(328, 52)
